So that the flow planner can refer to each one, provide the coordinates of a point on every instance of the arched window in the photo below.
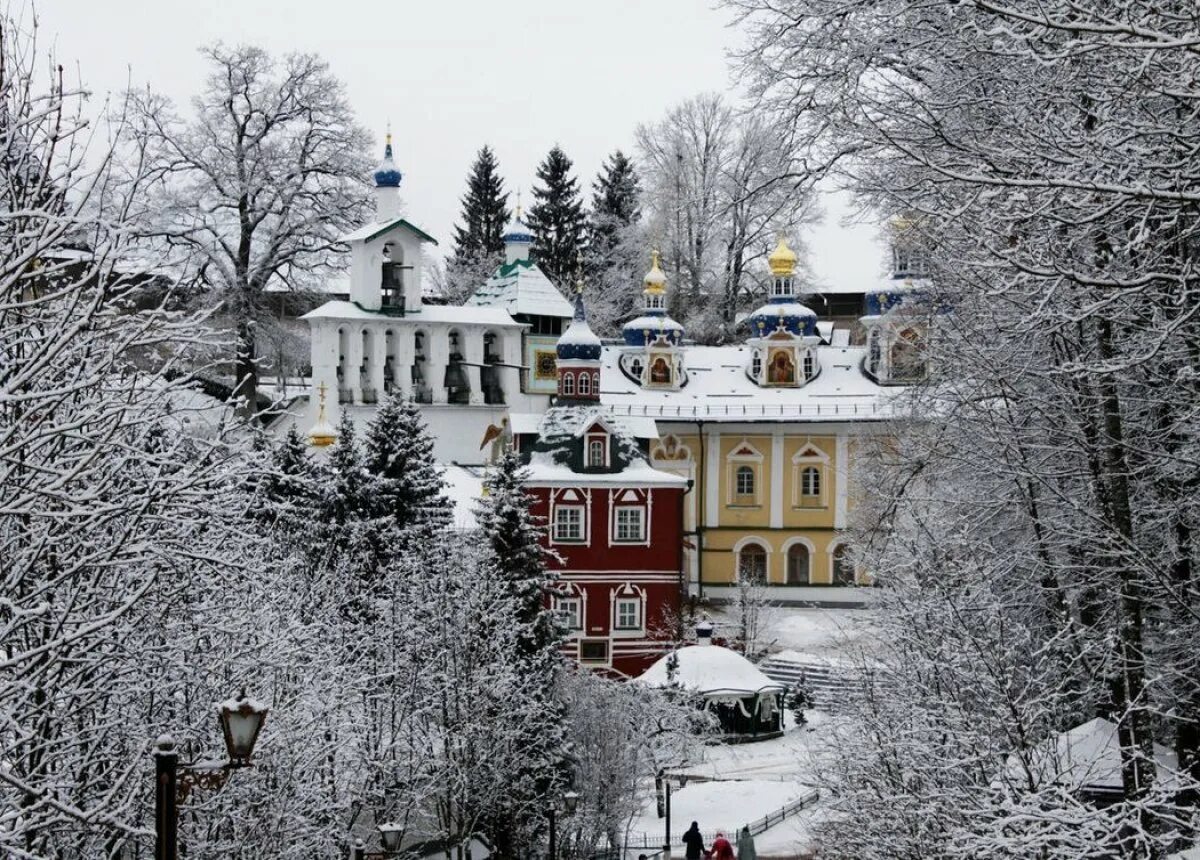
(756, 365)
(568, 384)
(843, 567)
(810, 364)
(873, 354)
(595, 457)
(752, 564)
(585, 383)
(908, 356)
(635, 367)
(799, 561)
(744, 478)
(810, 482)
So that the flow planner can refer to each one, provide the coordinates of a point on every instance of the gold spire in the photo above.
(782, 260)
(322, 435)
(655, 280)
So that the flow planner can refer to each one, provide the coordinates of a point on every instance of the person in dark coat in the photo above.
(693, 842)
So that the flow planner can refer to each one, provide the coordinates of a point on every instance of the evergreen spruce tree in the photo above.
(556, 218)
(616, 204)
(405, 482)
(616, 254)
(484, 213)
(520, 567)
(515, 538)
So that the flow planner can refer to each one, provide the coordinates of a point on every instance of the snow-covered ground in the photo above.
(716, 806)
(811, 633)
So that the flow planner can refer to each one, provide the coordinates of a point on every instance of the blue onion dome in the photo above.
(649, 327)
(579, 342)
(791, 317)
(890, 294)
(517, 230)
(387, 175)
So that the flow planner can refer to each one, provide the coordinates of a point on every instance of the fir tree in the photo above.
(556, 218)
(520, 568)
(485, 211)
(405, 482)
(515, 538)
(616, 204)
(616, 254)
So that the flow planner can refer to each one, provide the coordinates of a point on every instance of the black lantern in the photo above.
(391, 835)
(570, 801)
(241, 721)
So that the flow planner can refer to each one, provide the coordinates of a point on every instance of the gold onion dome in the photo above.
(655, 280)
(782, 260)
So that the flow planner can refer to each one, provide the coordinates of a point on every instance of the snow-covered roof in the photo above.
(536, 422)
(522, 288)
(427, 313)
(718, 389)
(1087, 758)
(578, 333)
(711, 670)
(367, 232)
(464, 488)
(544, 472)
(653, 323)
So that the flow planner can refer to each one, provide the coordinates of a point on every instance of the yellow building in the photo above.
(765, 431)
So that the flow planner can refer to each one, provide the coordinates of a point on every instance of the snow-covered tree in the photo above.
(485, 209)
(118, 489)
(556, 218)
(256, 186)
(515, 537)
(405, 482)
(1035, 541)
(617, 253)
(719, 189)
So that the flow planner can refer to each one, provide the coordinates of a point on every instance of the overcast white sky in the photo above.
(452, 75)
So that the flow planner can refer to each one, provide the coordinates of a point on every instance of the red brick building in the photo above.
(615, 523)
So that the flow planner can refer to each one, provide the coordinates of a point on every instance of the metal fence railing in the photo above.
(635, 841)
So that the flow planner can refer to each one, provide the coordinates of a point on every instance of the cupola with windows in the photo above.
(897, 313)
(578, 357)
(653, 356)
(654, 322)
(783, 332)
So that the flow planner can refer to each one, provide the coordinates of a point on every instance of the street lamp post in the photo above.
(241, 721)
(570, 801)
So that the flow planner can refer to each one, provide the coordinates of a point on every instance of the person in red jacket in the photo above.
(721, 849)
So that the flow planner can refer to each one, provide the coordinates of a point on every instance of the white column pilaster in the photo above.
(777, 478)
(841, 482)
(712, 490)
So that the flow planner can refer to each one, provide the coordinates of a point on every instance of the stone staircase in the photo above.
(831, 686)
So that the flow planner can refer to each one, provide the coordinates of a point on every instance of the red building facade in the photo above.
(614, 523)
(618, 541)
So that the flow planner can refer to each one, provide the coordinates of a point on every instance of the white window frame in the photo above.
(626, 602)
(564, 603)
(809, 365)
(582, 522)
(811, 474)
(568, 385)
(810, 456)
(745, 470)
(735, 461)
(585, 384)
(756, 365)
(741, 547)
(641, 523)
(589, 441)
